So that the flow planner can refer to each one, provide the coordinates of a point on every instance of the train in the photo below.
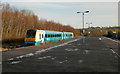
(36, 37)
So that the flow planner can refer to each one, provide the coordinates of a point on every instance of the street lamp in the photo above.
(83, 13)
(89, 28)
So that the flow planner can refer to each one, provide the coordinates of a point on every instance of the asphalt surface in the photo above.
(73, 55)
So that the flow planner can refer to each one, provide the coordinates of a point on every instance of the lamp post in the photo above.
(89, 28)
(83, 13)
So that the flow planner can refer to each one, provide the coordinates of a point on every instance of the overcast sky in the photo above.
(101, 14)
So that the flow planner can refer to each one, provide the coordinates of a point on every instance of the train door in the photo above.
(62, 35)
(41, 36)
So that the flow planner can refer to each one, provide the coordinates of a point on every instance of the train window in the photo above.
(68, 34)
(45, 35)
(39, 36)
(48, 35)
(31, 33)
(55, 35)
(60, 35)
(52, 35)
(42, 35)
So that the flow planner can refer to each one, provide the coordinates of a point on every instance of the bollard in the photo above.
(100, 39)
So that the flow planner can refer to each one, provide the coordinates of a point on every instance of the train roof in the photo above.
(68, 32)
(49, 31)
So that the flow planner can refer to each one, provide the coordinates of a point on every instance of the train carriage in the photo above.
(35, 37)
(53, 36)
(68, 35)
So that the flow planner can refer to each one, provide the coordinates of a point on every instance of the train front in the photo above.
(30, 37)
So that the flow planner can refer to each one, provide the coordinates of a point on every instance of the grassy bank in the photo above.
(13, 43)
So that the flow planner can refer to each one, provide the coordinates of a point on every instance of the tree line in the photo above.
(112, 32)
(16, 22)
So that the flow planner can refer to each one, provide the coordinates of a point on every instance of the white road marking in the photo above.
(15, 62)
(112, 40)
(44, 57)
(115, 52)
(69, 49)
(80, 61)
(86, 51)
(43, 50)
(111, 49)
(53, 58)
(26, 55)
(11, 59)
(63, 61)
(37, 52)
(19, 57)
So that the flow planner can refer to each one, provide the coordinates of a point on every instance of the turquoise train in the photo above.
(35, 37)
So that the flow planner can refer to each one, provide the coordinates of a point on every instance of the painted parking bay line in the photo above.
(115, 52)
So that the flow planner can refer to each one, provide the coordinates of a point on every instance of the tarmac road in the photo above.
(65, 56)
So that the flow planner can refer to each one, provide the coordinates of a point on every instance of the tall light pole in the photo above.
(83, 13)
(89, 27)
